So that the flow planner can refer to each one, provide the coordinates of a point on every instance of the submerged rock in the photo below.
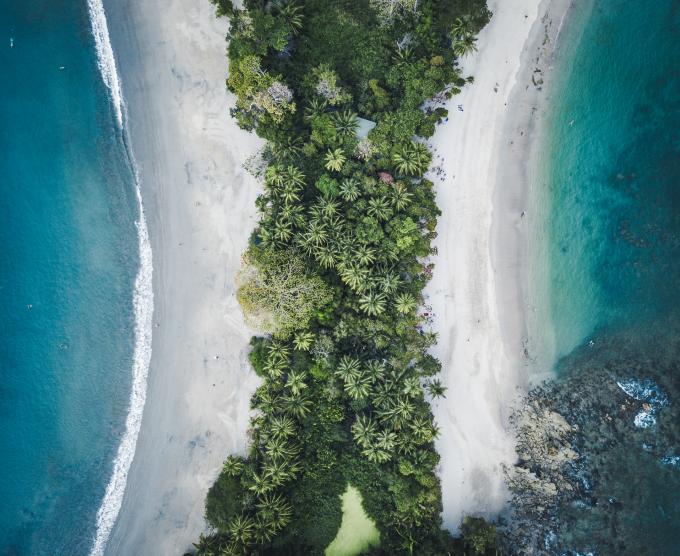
(596, 449)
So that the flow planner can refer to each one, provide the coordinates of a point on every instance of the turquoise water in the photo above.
(613, 174)
(614, 169)
(67, 268)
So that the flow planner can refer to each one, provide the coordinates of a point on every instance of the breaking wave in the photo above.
(142, 299)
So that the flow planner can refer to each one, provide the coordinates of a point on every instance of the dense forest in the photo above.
(345, 93)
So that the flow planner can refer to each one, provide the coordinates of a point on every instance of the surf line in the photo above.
(142, 297)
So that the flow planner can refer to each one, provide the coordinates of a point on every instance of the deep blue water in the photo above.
(612, 163)
(68, 260)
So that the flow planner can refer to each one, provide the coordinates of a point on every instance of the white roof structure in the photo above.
(364, 127)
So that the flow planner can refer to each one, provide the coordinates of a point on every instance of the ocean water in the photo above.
(74, 304)
(612, 161)
(611, 168)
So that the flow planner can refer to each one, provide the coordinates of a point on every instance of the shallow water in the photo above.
(67, 268)
(612, 171)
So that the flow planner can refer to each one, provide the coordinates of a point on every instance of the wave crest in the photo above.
(142, 300)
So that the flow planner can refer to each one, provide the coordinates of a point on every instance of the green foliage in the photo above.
(277, 293)
(335, 271)
(479, 535)
(328, 186)
(224, 501)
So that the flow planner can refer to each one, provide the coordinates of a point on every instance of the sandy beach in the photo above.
(200, 209)
(479, 289)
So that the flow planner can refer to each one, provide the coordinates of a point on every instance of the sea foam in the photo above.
(142, 299)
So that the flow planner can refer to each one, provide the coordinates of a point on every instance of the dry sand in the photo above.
(479, 287)
(200, 207)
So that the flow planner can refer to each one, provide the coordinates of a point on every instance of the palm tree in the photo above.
(379, 207)
(326, 256)
(241, 529)
(279, 448)
(273, 509)
(400, 196)
(315, 108)
(405, 303)
(363, 430)
(281, 427)
(261, 483)
(355, 276)
(435, 388)
(290, 192)
(345, 124)
(317, 232)
(297, 406)
(327, 207)
(411, 387)
(206, 546)
(303, 340)
(375, 455)
(275, 367)
(464, 45)
(373, 304)
(291, 13)
(382, 396)
(348, 367)
(385, 440)
(365, 255)
(349, 189)
(289, 149)
(403, 55)
(375, 369)
(402, 412)
(233, 466)
(421, 429)
(274, 176)
(276, 471)
(461, 27)
(265, 235)
(278, 350)
(305, 243)
(358, 387)
(398, 412)
(283, 231)
(293, 214)
(266, 401)
(389, 282)
(263, 531)
(296, 381)
(335, 160)
(294, 175)
(411, 158)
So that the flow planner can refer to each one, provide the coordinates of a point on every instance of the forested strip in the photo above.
(345, 92)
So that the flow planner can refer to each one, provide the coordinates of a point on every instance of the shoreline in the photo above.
(200, 210)
(479, 288)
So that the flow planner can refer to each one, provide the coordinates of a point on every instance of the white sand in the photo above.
(200, 209)
(478, 290)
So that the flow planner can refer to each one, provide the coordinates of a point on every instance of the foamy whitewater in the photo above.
(142, 300)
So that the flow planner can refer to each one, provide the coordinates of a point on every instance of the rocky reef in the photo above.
(599, 451)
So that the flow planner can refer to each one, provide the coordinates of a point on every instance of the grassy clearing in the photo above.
(357, 531)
